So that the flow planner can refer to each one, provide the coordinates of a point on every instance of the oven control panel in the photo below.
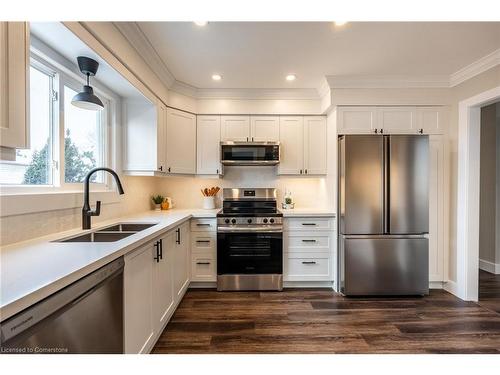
(249, 220)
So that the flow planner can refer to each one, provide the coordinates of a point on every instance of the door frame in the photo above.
(467, 236)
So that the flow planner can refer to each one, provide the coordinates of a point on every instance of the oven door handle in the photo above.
(249, 230)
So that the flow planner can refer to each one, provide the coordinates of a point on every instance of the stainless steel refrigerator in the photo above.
(384, 214)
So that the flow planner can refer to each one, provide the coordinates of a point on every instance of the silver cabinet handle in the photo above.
(309, 224)
(309, 262)
(308, 240)
(205, 263)
(202, 225)
(203, 241)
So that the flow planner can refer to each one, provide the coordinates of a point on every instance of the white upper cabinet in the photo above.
(303, 142)
(208, 145)
(401, 120)
(356, 120)
(315, 145)
(14, 84)
(431, 120)
(145, 136)
(391, 120)
(181, 142)
(264, 128)
(292, 145)
(235, 128)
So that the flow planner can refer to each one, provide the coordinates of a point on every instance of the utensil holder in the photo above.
(208, 203)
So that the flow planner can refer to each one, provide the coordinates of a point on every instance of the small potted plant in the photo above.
(157, 200)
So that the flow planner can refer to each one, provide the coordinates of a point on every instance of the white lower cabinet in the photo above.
(203, 250)
(181, 261)
(156, 276)
(309, 253)
(138, 300)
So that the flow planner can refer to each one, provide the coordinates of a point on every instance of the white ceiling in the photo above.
(260, 54)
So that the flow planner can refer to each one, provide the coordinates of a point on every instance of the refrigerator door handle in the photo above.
(386, 192)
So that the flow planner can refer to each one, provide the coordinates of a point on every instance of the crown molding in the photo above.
(477, 67)
(391, 82)
(138, 40)
(133, 33)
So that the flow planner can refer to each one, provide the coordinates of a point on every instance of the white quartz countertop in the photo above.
(307, 212)
(32, 270)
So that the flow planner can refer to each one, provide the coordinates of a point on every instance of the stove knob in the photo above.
(271, 221)
(265, 221)
(249, 221)
(226, 221)
(233, 221)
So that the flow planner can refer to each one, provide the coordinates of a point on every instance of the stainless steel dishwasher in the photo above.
(84, 317)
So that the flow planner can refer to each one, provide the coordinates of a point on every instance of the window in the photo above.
(65, 141)
(34, 165)
(83, 146)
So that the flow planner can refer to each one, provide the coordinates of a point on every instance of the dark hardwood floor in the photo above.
(320, 321)
(489, 290)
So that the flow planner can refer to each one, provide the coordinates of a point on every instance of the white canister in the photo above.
(208, 203)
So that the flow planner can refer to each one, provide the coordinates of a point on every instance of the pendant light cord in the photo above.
(88, 75)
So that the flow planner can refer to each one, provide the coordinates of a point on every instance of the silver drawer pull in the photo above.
(203, 241)
(309, 224)
(308, 262)
(203, 263)
(202, 225)
(308, 240)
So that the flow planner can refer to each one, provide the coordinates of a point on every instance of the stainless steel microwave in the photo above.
(250, 153)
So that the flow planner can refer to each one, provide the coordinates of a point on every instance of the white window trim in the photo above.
(25, 199)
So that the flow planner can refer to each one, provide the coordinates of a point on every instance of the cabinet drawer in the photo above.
(203, 268)
(203, 243)
(203, 225)
(308, 242)
(309, 224)
(302, 267)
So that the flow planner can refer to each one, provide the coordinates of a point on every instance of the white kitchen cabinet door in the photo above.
(308, 267)
(291, 145)
(315, 145)
(265, 128)
(14, 84)
(235, 128)
(436, 209)
(431, 120)
(138, 300)
(161, 141)
(181, 142)
(397, 120)
(203, 267)
(208, 145)
(356, 120)
(163, 288)
(182, 260)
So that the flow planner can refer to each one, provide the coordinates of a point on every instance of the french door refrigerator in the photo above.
(384, 214)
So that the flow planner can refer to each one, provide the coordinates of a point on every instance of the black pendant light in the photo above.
(87, 99)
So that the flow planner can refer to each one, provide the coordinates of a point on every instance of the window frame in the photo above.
(64, 77)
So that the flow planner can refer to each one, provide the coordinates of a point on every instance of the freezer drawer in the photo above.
(384, 265)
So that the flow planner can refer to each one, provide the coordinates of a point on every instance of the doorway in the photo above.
(489, 207)
(468, 197)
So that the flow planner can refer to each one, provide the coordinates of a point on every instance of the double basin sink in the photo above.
(113, 233)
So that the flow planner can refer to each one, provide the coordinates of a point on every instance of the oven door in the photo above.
(233, 153)
(249, 253)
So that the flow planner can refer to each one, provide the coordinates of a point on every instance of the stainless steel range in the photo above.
(249, 241)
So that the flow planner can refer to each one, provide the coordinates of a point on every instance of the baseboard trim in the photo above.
(436, 285)
(489, 266)
(451, 287)
(203, 285)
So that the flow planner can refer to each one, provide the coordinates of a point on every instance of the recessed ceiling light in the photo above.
(340, 23)
(200, 23)
(291, 77)
(216, 77)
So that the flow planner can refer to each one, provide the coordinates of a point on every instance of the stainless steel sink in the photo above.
(113, 233)
(127, 227)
